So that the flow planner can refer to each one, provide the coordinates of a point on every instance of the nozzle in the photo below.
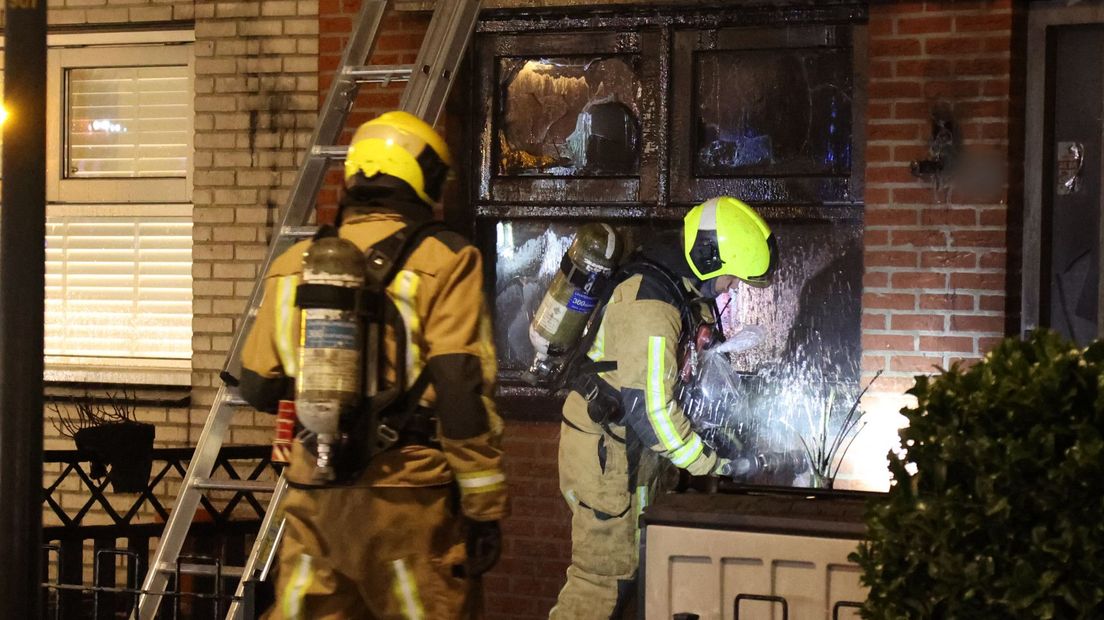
(543, 372)
(793, 463)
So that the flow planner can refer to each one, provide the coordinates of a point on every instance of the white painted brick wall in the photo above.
(256, 102)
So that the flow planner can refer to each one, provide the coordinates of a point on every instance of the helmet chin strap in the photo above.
(708, 288)
(711, 288)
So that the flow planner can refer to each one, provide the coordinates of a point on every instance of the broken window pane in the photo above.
(773, 112)
(571, 116)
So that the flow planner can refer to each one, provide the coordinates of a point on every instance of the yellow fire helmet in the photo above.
(402, 146)
(723, 236)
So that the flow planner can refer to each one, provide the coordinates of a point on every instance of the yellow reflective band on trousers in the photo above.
(403, 291)
(297, 587)
(406, 592)
(681, 452)
(481, 481)
(287, 319)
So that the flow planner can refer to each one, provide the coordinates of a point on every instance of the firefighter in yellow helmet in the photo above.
(622, 427)
(409, 534)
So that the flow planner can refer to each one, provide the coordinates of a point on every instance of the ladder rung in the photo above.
(329, 152)
(380, 74)
(256, 486)
(209, 570)
(236, 401)
(299, 232)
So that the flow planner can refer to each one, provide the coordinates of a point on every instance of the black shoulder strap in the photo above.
(386, 257)
(384, 260)
(666, 278)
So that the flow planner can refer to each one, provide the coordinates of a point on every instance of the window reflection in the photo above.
(773, 112)
(574, 116)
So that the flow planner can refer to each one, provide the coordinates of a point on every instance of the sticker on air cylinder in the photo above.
(331, 334)
(581, 302)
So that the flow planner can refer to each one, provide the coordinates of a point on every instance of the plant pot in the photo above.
(820, 481)
(127, 447)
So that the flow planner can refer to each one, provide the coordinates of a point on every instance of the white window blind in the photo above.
(128, 121)
(118, 291)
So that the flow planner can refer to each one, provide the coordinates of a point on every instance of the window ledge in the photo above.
(137, 395)
(173, 373)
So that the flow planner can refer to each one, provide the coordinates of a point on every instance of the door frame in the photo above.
(1042, 17)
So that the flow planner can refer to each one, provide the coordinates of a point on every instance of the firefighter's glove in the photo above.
(484, 546)
(724, 468)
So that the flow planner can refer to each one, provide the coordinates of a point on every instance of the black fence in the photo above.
(96, 570)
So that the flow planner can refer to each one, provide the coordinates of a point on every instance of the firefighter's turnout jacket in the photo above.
(610, 470)
(397, 518)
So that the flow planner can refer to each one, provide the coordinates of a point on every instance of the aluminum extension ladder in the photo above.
(428, 84)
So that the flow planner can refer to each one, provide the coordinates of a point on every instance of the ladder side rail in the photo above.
(312, 172)
(200, 466)
(435, 69)
(267, 537)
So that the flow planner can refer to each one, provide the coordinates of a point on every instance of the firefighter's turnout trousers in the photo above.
(372, 552)
(391, 544)
(607, 484)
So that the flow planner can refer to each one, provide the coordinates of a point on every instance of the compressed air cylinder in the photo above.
(572, 296)
(330, 342)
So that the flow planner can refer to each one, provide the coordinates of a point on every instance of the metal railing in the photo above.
(97, 549)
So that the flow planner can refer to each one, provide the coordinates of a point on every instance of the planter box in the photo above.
(705, 554)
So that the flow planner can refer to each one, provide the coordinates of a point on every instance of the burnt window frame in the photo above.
(769, 187)
(474, 207)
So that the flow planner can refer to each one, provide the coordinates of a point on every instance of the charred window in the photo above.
(569, 117)
(770, 112)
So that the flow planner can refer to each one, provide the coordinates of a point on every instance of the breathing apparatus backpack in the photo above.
(345, 314)
(561, 360)
(583, 374)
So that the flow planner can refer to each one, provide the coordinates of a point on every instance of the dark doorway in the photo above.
(1063, 189)
(1074, 193)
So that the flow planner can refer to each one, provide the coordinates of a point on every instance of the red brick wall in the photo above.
(400, 37)
(538, 535)
(936, 271)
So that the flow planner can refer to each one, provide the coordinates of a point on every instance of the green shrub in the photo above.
(1004, 517)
